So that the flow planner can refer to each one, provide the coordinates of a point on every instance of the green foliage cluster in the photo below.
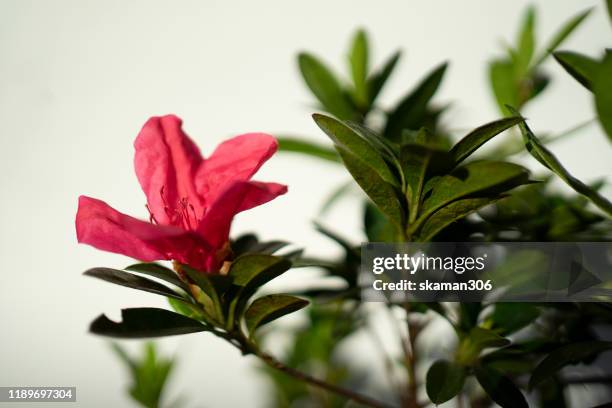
(419, 184)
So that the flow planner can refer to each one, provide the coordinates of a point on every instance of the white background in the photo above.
(79, 78)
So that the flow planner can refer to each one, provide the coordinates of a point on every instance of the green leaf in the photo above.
(160, 272)
(584, 69)
(501, 76)
(335, 196)
(376, 225)
(324, 86)
(294, 145)
(479, 136)
(449, 214)
(525, 44)
(609, 4)
(444, 381)
(562, 34)
(377, 80)
(508, 318)
(257, 269)
(145, 322)
(545, 156)
(410, 111)
(417, 162)
(358, 58)
(347, 138)
(269, 308)
(500, 388)
(476, 177)
(483, 338)
(602, 88)
(132, 281)
(213, 286)
(569, 354)
(249, 272)
(382, 194)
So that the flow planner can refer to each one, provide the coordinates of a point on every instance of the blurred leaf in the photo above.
(544, 156)
(335, 196)
(584, 69)
(444, 381)
(149, 374)
(380, 192)
(288, 144)
(562, 34)
(376, 225)
(377, 80)
(488, 176)
(479, 136)
(482, 338)
(348, 139)
(609, 4)
(324, 86)
(568, 354)
(508, 318)
(525, 44)
(409, 112)
(145, 322)
(449, 214)
(160, 272)
(358, 58)
(602, 88)
(132, 281)
(501, 389)
(269, 308)
(501, 75)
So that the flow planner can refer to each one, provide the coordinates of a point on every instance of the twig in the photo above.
(298, 375)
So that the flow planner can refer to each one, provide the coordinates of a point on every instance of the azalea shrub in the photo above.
(418, 182)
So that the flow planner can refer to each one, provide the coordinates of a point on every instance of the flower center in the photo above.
(182, 213)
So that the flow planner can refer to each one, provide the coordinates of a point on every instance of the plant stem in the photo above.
(298, 375)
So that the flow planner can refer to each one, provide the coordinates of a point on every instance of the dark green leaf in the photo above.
(377, 80)
(269, 308)
(475, 177)
(417, 161)
(483, 338)
(569, 354)
(449, 214)
(358, 58)
(500, 388)
(562, 34)
(346, 138)
(257, 269)
(584, 69)
(145, 322)
(609, 4)
(444, 381)
(479, 136)
(324, 86)
(602, 88)
(160, 272)
(376, 225)
(508, 318)
(289, 144)
(131, 281)
(382, 194)
(545, 156)
(410, 111)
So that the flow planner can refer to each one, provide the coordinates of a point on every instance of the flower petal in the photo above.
(105, 228)
(166, 162)
(236, 159)
(241, 196)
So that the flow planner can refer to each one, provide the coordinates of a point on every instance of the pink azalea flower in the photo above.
(191, 200)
